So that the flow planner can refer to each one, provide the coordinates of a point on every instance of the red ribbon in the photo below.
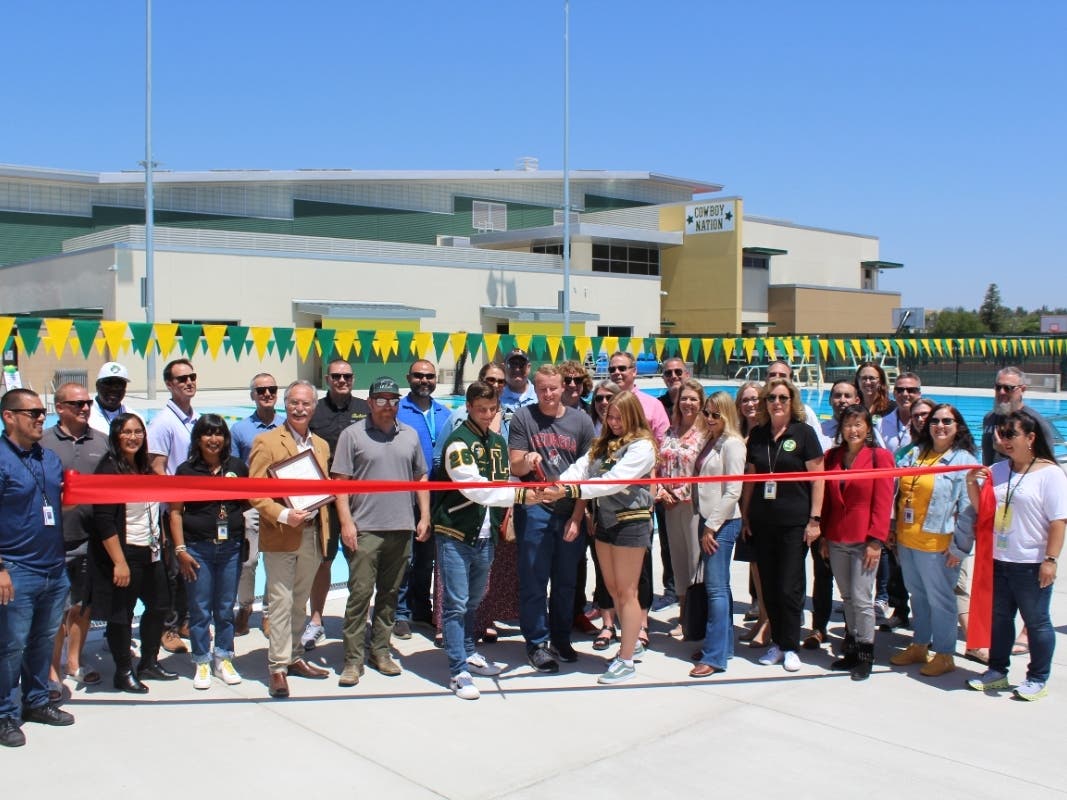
(980, 621)
(79, 488)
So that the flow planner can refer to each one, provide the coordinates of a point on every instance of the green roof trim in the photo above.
(763, 251)
(882, 264)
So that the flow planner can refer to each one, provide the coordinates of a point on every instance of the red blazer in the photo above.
(853, 511)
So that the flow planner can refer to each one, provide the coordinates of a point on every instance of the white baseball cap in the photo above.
(113, 369)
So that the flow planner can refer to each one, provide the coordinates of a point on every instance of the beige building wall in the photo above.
(804, 309)
(815, 257)
(702, 278)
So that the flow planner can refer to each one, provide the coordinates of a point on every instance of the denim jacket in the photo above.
(949, 498)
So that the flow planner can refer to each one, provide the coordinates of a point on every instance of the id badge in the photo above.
(157, 554)
(909, 515)
(1002, 518)
(49, 516)
(222, 531)
(1002, 541)
(770, 490)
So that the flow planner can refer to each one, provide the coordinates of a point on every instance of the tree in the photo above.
(957, 321)
(993, 313)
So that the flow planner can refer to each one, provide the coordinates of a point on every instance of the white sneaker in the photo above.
(224, 671)
(1030, 690)
(881, 608)
(313, 634)
(464, 687)
(772, 656)
(479, 665)
(202, 679)
(791, 661)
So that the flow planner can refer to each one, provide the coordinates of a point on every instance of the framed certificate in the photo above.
(302, 466)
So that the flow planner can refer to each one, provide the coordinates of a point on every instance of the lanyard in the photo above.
(772, 463)
(915, 478)
(39, 479)
(1010, 493)
(431, 423)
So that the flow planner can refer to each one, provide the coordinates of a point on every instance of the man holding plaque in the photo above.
(292, 532)
(376, 527)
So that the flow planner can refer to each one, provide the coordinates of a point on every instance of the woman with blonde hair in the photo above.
(625, 449)
(678, 455)
(720, 525)
(747, 404)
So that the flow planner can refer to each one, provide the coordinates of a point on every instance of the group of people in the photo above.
(521, 549)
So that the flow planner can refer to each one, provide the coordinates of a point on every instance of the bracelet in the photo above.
(1051, 559)
(180, 548)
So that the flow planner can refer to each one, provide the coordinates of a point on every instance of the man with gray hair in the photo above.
(1008, 390)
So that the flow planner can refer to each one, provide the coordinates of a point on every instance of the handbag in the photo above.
(695, 611)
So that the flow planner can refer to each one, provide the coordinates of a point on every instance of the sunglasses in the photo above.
(779, 398)
(494, 381)
(603, 398)
(518, 363)
(712, 414)
(677, 373)
(842, 396)
(1008, 433)
(1006, 387)
(342, 376)
(32, 413)
(423, 376)
(619, 368)
(76, 403)
(907, 390)
(573, 380)
(382, 402)
(190, 378)
(945, 421)
(112, 383)
(263, 391)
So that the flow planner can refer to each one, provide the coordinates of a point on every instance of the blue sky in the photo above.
(937, 126)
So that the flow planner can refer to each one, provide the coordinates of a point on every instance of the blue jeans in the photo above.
(464, 575)
(1015, 588)
(718, 645)
(28, 626)
(211, 597)
(932, 586)
(544, 556)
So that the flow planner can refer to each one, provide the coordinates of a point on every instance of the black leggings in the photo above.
(148, 583)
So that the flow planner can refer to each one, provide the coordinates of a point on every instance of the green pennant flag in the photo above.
(405, 339)
(568, 350)
(507, 344)
(29, 329)
(538, 348)
(366, 345)
(624, 345)
(190, 336)
(440, 341)
(474, 344)
(716, 348)
(283, 338)
(325, 336)
(85, 330)
(597, 343)
(672, 348)
(239, 340)
(141, 332)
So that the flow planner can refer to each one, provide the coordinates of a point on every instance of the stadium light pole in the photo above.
(149, 205)
(566, 168)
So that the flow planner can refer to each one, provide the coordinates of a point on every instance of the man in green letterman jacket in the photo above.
(467, 523)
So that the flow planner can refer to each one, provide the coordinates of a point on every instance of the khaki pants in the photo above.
(377, 566)
(289, 577)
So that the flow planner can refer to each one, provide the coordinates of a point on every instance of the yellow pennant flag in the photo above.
(727, 348)
(610, 344)
(857, 349)
(115, 336)
(58, 334)
(213, 335)
(422, 341)
(769, 344)
(706, 345)
(386, 344)
(343, 339)
(872, 348)
(685, 345)
(824, 348)
(937, 347)
(553, 343)
(805, 346)
(926, 346)
(749, 345)
(260, 339)
(6, 324)
(839, 345)
(658, 345)
(787, 344)
(305, 337)
(583, 344)
(458, 342)
(166, 334)
(522, 341)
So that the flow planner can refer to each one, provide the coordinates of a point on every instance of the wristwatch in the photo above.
(815, 518)
(1051, 559)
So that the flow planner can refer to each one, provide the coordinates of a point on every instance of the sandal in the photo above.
(1020, 647)
(642, 636)
(85, 675)
(604, 639)
(815, 640)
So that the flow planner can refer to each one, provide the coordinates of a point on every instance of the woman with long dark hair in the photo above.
(208, 538)
(126, 553)
(873, 384)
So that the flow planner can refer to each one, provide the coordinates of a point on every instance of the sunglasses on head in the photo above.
(263, 391)
(76, 403)
(342, 376)
(190, 378)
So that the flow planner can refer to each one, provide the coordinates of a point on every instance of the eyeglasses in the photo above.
(32, 413)
(423, 376)
(342, 376)
(76, 403)
(262, 391)
(945, 421)
(1008, 433)
(782, 376)
(869, 379)
(677, 373)
(907, 390)
(575, 380)
(132, 434)
(749, 400)
(494, 381)
(189, 378)
(603, 398)
(619, 368)
(712, 414)
(1007, 387)
(779, 398)
(382, 402)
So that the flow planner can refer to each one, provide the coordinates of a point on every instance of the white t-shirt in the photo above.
(1037, 498)
(142, 524)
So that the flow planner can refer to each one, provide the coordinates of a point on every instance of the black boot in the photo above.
(126, 681)
(848, 658)
(862, 670)
(153, 670)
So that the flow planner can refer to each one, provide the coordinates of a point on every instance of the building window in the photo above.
(625, 259)
(489, 216)
(755, 262)
(548, 249)
(615, 330)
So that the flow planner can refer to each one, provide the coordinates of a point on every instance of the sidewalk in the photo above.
(753, 730)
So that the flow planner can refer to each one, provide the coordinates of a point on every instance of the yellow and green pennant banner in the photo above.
(116, 338)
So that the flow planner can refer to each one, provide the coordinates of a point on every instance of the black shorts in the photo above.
(78, 572)
(627, 534)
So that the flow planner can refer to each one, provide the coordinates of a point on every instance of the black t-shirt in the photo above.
(329, 420)
(200, 519)
(796, 446)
